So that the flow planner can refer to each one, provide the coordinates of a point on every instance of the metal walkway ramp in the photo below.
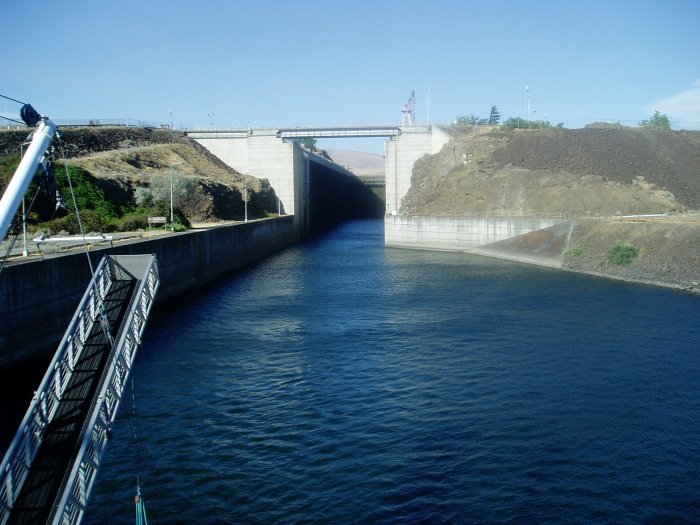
(49, 469)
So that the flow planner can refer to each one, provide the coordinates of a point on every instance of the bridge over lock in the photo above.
(312, 188)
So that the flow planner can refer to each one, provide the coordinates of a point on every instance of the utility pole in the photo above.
(172, 223)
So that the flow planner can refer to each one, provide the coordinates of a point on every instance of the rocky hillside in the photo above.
(78, 142)
(664, 252)
(124, 159)
(585, 172)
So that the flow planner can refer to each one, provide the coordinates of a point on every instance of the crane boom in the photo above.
(408, 118)
(12, 198)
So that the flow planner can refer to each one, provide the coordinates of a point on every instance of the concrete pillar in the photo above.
(259, 153)
(401, 153)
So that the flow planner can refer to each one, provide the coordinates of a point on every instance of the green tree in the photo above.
(308, 142)
(183, 187)
(471, 120)
(494, 117)
(88, 195)
(657, 121)
(521, 123)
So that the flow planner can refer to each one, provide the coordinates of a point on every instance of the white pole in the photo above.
(172, 221)
(245, 197)
(527, 95)
(25, 252)
(24, 174)
(172, 224)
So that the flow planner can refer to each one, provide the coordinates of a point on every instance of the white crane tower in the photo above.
(408, 118)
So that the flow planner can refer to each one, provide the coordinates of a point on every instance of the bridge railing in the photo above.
(25, 445)
(73, 502)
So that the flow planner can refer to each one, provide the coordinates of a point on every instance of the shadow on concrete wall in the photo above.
(335, 197)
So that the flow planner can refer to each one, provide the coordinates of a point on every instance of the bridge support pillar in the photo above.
(263, 154)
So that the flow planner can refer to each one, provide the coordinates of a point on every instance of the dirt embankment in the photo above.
(124, 159)
(664, 253)
(78, 142)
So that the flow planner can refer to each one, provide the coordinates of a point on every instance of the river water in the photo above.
(343, 382)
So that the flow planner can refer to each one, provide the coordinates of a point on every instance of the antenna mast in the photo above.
(408, 118)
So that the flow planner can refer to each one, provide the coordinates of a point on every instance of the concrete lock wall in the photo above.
(401, 153)
(38, 298)
(455, 233)
(259, 153)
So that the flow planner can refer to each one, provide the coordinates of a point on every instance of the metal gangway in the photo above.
(48, 471)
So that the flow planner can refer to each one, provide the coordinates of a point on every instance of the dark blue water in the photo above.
(343, 382)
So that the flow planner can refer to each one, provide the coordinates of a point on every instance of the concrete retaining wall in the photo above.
(457, 233)
(38, 298)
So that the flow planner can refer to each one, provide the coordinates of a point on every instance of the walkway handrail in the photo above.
(23, 449)
(77, 488)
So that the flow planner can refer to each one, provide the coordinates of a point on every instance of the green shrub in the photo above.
(622, 254)
(129, 222)
(579, 251)
(521, 123)
(88, 195)
(657, 121)
(92, 222)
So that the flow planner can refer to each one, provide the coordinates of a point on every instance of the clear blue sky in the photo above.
(309, 62)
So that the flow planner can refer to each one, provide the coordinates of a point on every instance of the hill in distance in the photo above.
(360, 162)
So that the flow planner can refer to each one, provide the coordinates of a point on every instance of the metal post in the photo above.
(172, 224)
(245, 196)
(172, 216)
(25, 252)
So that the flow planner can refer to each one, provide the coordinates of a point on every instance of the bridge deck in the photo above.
(59, 448)
(339, 132)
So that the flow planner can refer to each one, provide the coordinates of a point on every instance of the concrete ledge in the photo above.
(39, 297)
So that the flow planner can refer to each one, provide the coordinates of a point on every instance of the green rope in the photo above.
(141, 518)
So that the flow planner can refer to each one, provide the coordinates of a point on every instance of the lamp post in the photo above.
(172, 222)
